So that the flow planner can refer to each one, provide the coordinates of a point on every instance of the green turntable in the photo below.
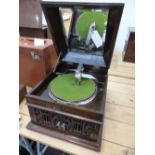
(66, 89)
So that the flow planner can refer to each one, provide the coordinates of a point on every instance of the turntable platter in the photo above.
(66, 88)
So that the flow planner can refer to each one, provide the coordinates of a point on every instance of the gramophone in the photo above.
(69, 103)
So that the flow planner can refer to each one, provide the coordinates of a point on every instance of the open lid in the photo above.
(92, 33)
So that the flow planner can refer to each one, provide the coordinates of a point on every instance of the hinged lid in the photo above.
(92, 33)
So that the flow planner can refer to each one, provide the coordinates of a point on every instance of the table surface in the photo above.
(119, 121)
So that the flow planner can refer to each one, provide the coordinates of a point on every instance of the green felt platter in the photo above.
(87, 18)
(65, 87)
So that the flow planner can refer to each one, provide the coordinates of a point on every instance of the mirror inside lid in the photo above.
(86, 36)
(84, 32)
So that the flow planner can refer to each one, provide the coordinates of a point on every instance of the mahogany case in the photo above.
(79, 124)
